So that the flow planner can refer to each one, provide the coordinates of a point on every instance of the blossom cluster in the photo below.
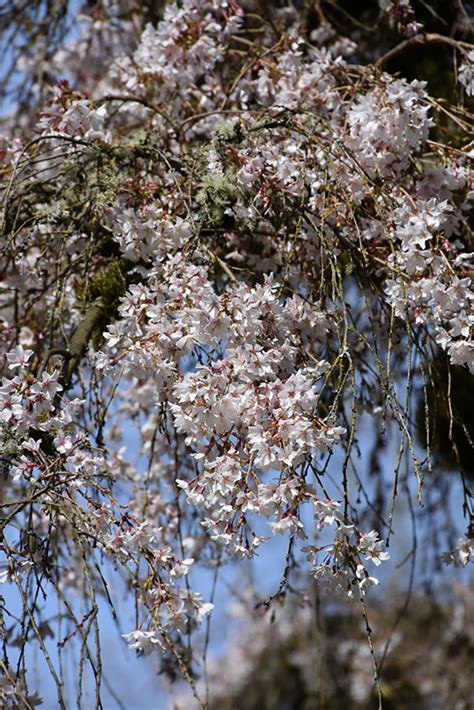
(342, 567)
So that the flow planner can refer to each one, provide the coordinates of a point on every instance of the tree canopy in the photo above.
(236, 290)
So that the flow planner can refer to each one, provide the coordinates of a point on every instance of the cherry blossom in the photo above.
(466, 73)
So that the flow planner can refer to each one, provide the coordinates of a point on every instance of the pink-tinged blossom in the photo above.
(462, 554)
(74, 117)
(18, 357)
(144, 642)
(372, 548)
(17, 567)
(388, 125)
(339, 564)
(466, 73)
(181, 568)
(365, 581)
(10, 405)
(326, 511)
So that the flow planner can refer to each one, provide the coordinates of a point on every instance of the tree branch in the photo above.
(80, 340)
(421, 39)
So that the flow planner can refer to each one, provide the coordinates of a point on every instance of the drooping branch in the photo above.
(421, 39)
